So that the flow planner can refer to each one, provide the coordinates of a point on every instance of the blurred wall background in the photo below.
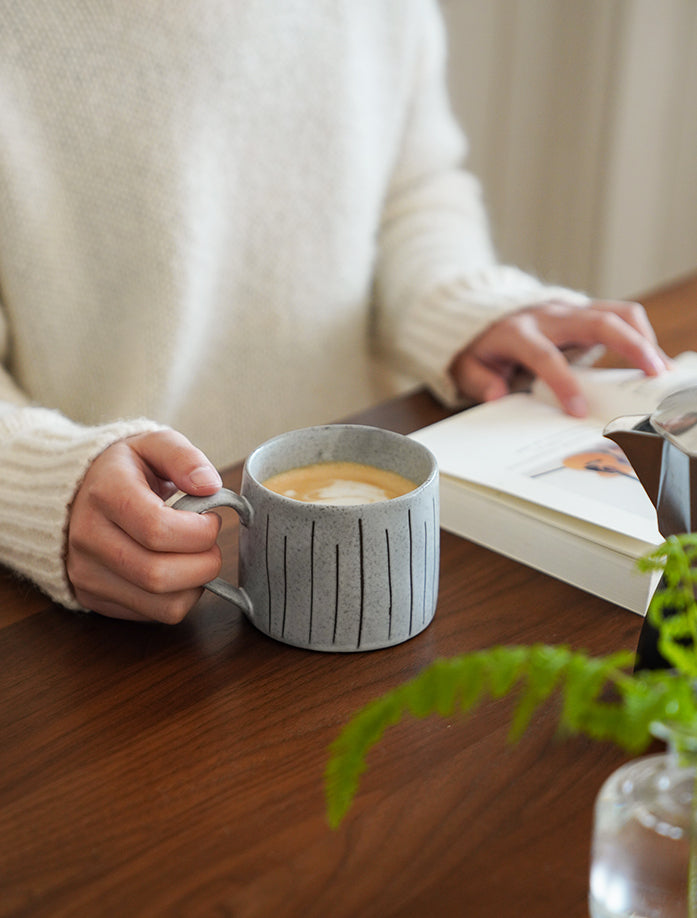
(582, 122)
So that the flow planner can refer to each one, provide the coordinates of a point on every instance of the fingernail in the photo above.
(205, 477)
(576, 406)
(658, 364)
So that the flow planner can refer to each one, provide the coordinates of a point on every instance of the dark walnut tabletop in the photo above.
(153, 770)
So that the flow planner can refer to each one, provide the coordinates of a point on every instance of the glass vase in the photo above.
(643, 861)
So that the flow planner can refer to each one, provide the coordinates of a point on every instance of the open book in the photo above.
(528, 481)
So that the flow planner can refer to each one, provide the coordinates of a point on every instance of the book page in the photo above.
(526, 445)
(611, 393)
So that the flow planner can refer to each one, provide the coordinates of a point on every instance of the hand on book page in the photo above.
(611, 393)
(560, 496)
(537, 339)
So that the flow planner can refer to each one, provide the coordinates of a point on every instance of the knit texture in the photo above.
(232, 218)
(44, 457)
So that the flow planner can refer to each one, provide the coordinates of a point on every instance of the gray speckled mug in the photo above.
(328, 577)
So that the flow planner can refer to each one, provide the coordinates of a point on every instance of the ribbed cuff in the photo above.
(44, 457)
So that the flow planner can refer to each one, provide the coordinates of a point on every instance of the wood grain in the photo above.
(152, 770)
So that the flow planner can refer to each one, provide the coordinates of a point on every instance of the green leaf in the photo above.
(504, 667)
(444, 687)
(546, 665)
(673, 610)
(601, 697)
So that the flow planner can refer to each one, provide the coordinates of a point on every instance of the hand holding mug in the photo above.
(128, 554)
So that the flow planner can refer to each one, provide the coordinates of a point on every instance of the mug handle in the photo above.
(222, 498)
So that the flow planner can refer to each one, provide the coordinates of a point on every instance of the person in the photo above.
(219, 221)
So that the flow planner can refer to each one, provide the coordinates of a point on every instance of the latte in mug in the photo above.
(339, 483)
(356, 577)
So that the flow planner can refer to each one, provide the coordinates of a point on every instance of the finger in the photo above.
(632, 313)
(610, 330)
(110, 549)
(601, 324)
(518, 343)
(108, 608)
(543, 359)
(120, 492)
(478, 381)
(174, 458)
(139, 606)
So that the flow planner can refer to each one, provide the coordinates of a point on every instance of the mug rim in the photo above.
(324, 508)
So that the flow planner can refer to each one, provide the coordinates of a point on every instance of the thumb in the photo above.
(480, 382)
(172, 457)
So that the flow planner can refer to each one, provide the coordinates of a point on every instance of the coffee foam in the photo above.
(340, 484)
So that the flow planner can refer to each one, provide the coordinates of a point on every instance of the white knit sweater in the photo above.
(227, 217)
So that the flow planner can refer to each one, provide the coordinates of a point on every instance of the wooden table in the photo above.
(152, 770)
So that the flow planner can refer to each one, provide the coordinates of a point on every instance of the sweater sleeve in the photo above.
(43, 458)
(438, 282)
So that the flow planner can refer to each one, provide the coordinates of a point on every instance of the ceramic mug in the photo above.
(334, 577)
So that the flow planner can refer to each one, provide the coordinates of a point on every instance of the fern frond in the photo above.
(457, 685)
(546, 665)
(601, 697)
(673, 610)
(445, 687)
